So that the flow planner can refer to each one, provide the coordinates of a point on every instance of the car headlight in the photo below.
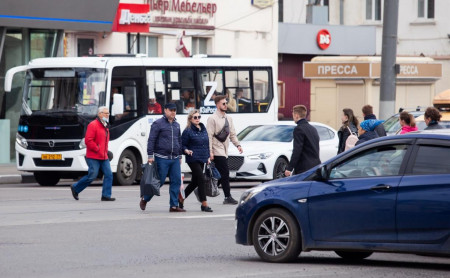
(250, 193)
(259, 156)
(82, 144)
(21, 141)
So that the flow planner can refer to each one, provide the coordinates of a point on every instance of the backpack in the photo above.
(351, 140)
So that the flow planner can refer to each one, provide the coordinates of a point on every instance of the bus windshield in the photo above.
(59, 90)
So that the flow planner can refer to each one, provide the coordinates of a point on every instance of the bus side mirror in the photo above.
(117, 106)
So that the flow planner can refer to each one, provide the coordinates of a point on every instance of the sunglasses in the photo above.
(197, 117)
(224, 103)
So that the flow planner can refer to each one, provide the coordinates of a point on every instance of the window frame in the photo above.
(423, 6)
(374, 5)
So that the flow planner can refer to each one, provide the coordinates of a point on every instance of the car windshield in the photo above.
(275, 133)
(56, 90)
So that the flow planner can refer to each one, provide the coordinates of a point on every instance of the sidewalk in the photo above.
(9, 174)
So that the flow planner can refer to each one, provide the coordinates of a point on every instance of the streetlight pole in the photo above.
(388, 59)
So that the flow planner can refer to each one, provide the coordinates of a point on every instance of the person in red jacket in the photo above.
(96, 140)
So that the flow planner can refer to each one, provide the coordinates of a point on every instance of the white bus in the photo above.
(61, 96)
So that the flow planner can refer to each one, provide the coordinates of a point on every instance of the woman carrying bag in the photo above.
(195, 144)
(349, 126)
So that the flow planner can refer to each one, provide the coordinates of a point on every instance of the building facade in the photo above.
(156, 28)
(422, 32)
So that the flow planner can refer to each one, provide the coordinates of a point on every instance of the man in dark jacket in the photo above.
(96, 140)
(367, 111)
(164, 147)
(305, 154)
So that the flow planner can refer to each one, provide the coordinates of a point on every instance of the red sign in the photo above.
(323, 39)
(132, 18)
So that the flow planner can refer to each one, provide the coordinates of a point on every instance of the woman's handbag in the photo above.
(150, 183)
(212, 190)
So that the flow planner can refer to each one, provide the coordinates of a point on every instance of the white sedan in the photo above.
(268, 148)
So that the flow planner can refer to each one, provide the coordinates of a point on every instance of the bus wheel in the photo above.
(46, 178)
(127, 168)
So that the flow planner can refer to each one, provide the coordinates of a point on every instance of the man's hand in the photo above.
(287, 173)
(150, 160)
(240, 149)
(211, 157)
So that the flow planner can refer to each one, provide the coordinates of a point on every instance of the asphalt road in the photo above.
(44, 232)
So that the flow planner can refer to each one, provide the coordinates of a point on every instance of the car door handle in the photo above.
(381, 187)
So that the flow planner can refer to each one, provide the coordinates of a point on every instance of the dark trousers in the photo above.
(196, 181)
(221, 163)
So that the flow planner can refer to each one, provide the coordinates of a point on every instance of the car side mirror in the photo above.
(321, 173)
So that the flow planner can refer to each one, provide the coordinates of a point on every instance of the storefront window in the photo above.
(41, 44)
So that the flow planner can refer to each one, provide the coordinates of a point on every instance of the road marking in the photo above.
(203, 216)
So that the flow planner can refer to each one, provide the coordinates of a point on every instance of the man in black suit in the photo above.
(305, 154)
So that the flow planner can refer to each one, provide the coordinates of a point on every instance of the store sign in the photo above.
(262, 3)
(132, 18)
(183, 14)
(413, 70)
(330, 70)
(315, 70)
(323, 39)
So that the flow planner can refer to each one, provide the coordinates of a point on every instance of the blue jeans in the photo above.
(171, 168)
(94, 166)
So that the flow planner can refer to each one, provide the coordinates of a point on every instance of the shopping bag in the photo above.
(214, 172)
(150, 183)
(182, 188)
(212, 190)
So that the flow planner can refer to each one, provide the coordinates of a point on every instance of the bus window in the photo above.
(156, 91)
(181, 90)
(261, 88)
(211, 81)
(238, 84)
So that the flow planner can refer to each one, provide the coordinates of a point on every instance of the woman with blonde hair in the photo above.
(407, 122)
(195, 143)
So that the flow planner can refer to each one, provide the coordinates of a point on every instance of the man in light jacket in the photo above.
(96, 140)
(219, 149)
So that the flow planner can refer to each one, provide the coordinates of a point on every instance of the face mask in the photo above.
(105, 119)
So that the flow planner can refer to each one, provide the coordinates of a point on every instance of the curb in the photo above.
(5, 179)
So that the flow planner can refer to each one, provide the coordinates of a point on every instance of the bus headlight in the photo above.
(21, 141)
(82, 144)
(259, 156)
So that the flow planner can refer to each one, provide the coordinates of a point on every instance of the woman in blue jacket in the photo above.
(195, 145)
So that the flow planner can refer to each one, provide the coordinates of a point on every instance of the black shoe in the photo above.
(108, 198)
(74, 193)
(206, 209)
(229, 201)
(142, 204)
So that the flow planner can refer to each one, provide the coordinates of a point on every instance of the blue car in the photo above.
(391, 194)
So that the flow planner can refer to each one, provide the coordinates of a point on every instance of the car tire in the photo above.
(279, 168)
(126, 168)
(46, 178)
(276, 236)
(353, 255)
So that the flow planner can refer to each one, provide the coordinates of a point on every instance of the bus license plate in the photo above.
(47, 156)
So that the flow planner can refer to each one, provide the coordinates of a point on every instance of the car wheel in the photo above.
(126, 169)
(279, 168)
(353, 255)
(46, 178)
(276, 236)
